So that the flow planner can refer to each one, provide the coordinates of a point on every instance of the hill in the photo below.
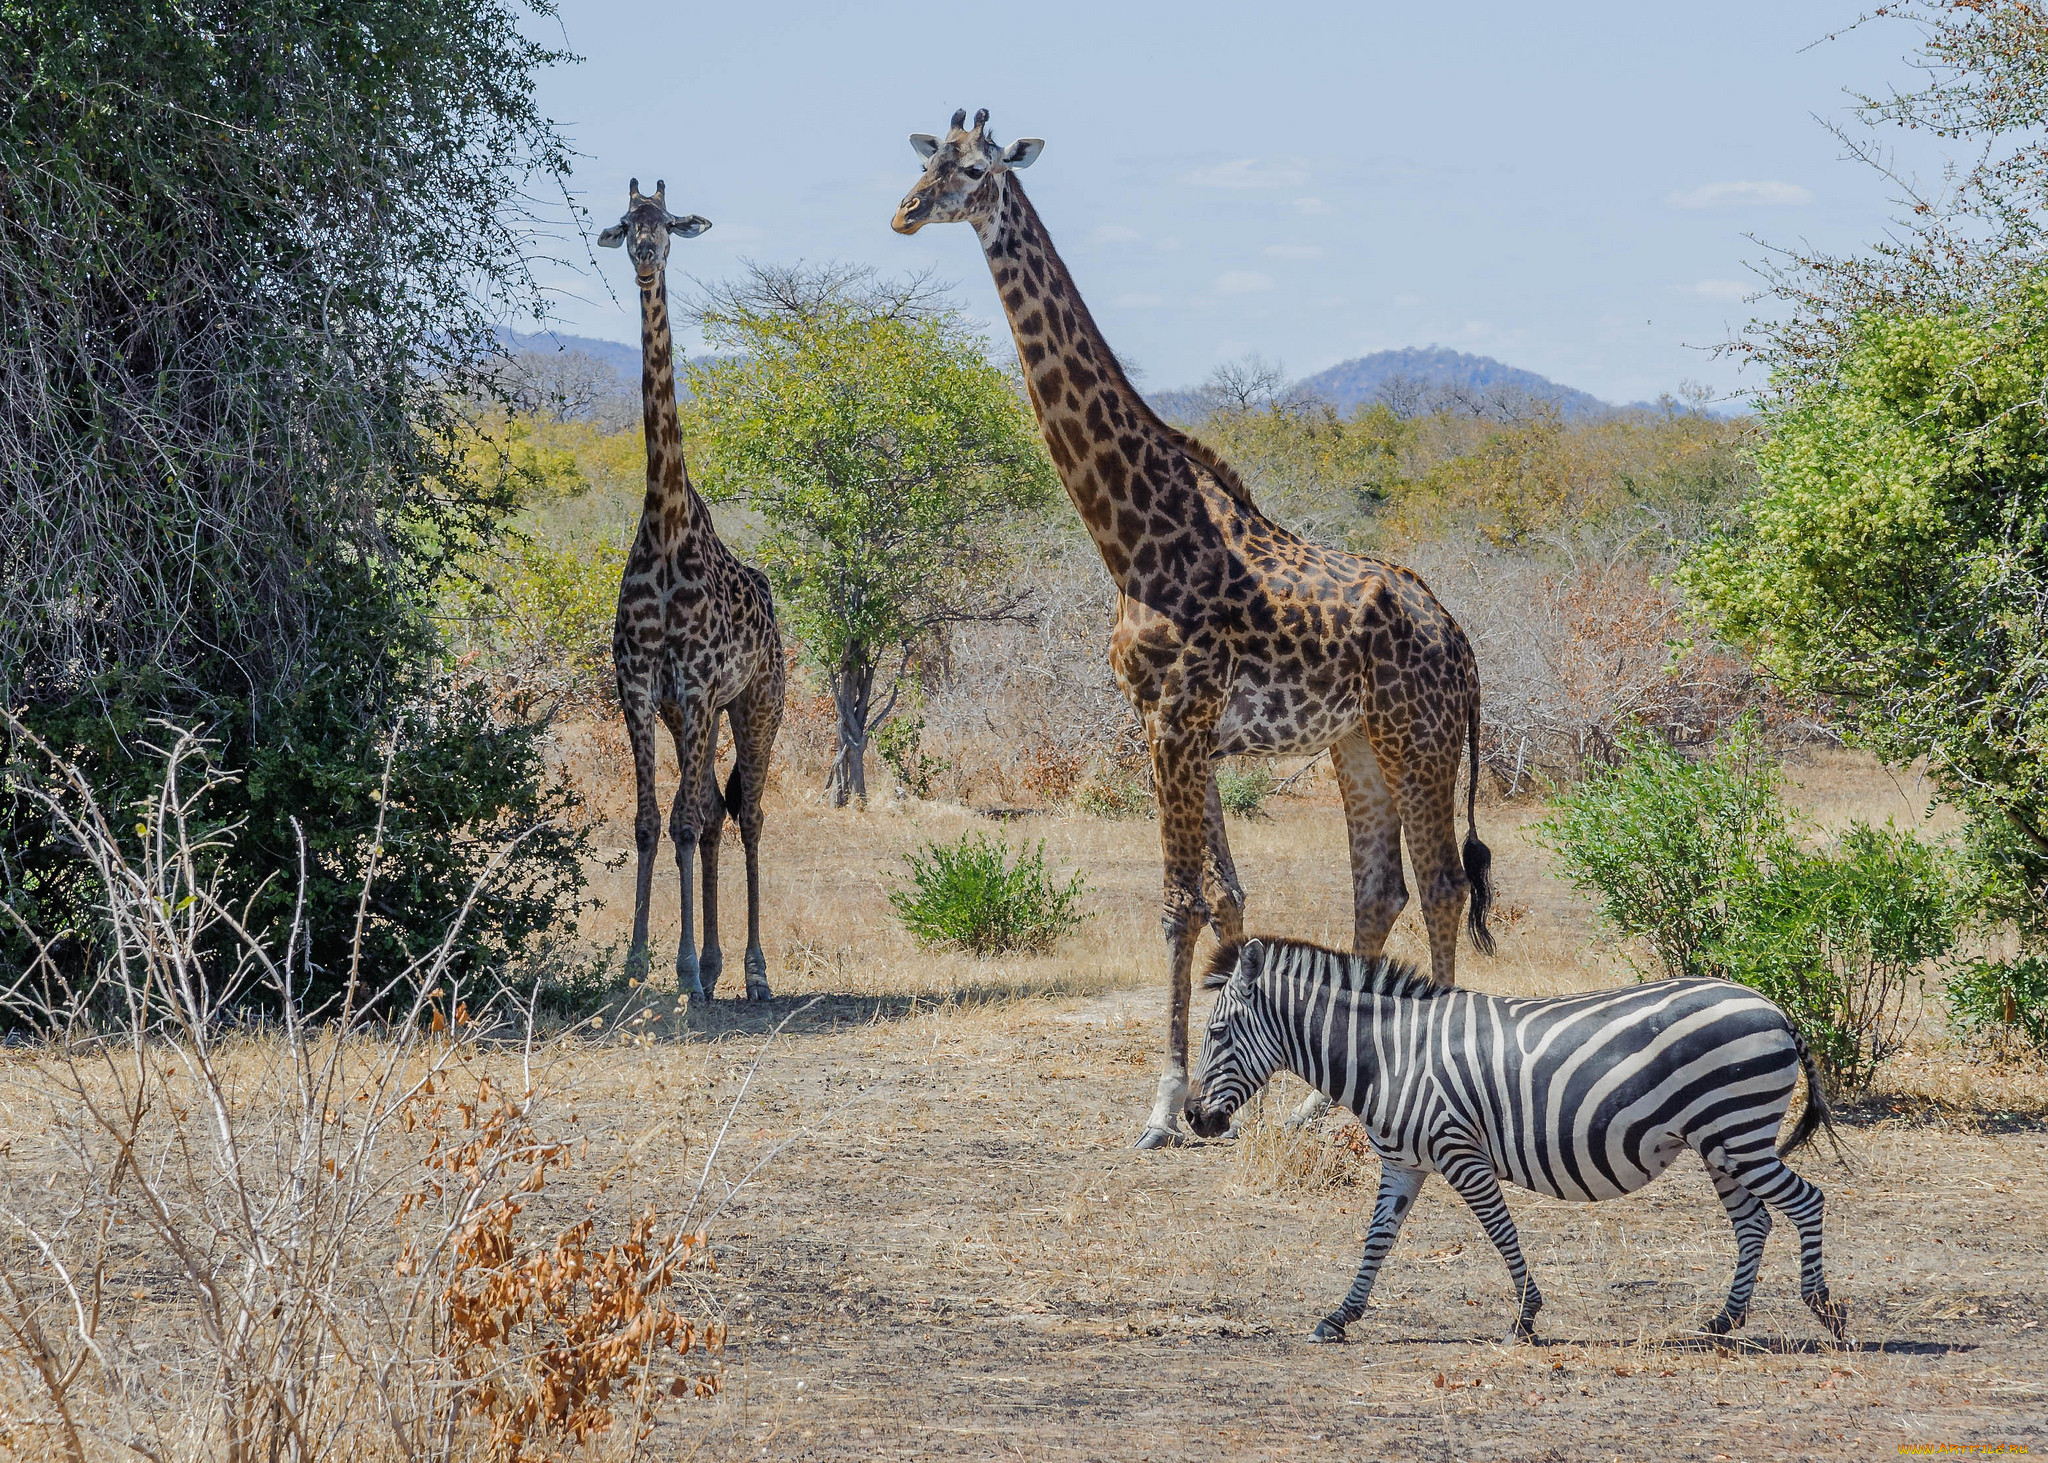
(624, 359)
(1387, 375)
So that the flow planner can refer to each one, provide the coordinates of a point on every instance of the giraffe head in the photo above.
(963, 174)
(645, 228)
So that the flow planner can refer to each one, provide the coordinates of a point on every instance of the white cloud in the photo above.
(1720, 289)
(1243, 282)
(1115, 234)
(1310, 206)
(1248, 172)
(1137, 302)
(1294, 251)
(1740, 195)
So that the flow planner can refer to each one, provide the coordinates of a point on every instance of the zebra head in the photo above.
(1241, 1048)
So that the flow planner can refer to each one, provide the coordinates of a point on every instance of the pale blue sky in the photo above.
(1565, 187)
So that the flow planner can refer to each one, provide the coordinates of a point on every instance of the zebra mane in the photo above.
(1385, 976)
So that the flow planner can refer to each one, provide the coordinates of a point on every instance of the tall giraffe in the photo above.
(1232, 635)
(695, 636)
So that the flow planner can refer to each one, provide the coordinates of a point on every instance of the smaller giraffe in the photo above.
(695, 637)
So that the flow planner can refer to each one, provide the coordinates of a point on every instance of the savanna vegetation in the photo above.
(333, 1133)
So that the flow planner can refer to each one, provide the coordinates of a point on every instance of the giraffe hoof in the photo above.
(708, 972)
(1328, 1332)
(1159, 1138)
(637, 963)
(757, 976)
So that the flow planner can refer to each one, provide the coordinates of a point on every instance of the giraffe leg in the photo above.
(1427, 794)
(1472, 1176)
(692, 726)
(1752, 1223)
(1398, 1188)
(756, 717)
(1180, 770)
(1220, 884)
(710, 821)
(1805, 1205)
(1378, 892)
(640, 726)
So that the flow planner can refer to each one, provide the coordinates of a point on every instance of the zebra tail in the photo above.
(735, 794)
(1817, 1113)
(1477, 856)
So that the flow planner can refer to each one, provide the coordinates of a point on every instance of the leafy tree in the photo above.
(886, 457)
(251, 256)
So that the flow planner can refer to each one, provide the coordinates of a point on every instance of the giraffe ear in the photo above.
(612, 237)
(688, 226)
(923, 144)
(1023, 152)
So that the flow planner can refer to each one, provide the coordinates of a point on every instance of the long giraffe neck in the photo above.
(672, 505)
(1111, 449)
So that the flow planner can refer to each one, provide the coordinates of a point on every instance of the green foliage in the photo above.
(252, 253)
(1895, 561)
(1992, 1001)
(545, 614)
(901, 743)
(886, 457)
(967, 893)
(1245, 792)
(1702, 861)
(1670, 846)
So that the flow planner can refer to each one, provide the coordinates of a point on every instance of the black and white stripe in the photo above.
(1579, 1097)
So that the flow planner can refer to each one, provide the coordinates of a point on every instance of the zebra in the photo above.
(1580, 1097)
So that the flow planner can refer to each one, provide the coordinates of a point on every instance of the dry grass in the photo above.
(957, 1254)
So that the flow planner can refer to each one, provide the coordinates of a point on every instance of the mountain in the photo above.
(1390, 375)
(625, 359)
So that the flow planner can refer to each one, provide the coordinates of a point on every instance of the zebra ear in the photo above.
(1250, 961)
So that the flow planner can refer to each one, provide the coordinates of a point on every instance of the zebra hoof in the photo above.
(1159, 1138)
(1523, 1333)
(1727, 1321)
(1328, 1331)
(1833, 1314)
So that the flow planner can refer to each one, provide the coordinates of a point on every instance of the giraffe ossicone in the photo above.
(1232, 635)
(695, 639)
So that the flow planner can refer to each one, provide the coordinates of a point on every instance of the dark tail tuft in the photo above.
(735, 793)
(1817, 1113)
(1478, 857)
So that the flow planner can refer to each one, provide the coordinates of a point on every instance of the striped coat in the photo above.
(1580, 1097)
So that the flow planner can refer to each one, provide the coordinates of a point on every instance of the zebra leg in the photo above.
(1398, 1188)
(1805, 1205)
(1752, 1223)
(1472, 1176)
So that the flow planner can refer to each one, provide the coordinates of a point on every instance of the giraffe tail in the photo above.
(735, 794)
(1478, 857)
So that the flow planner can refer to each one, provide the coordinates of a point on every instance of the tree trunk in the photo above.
(853, 688)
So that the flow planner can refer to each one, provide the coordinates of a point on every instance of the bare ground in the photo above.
(959, 1256)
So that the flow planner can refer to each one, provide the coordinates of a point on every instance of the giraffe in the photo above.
(1232, 635)
(695, 636)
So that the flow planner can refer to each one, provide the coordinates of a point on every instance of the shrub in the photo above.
(1244, 793)
(901, 743)
(2000, 1001)
(1702, 860)
(968, 894)
(1665, 842)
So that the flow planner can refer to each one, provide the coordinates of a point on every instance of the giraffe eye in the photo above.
(974, 172)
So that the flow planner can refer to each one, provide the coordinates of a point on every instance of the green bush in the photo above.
(967, 893)
(1245, 793)
(1993, 1001)
(1670, 846)
(901, 743)
(1703, 861)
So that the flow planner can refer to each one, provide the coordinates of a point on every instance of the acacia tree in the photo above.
(886, 456)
